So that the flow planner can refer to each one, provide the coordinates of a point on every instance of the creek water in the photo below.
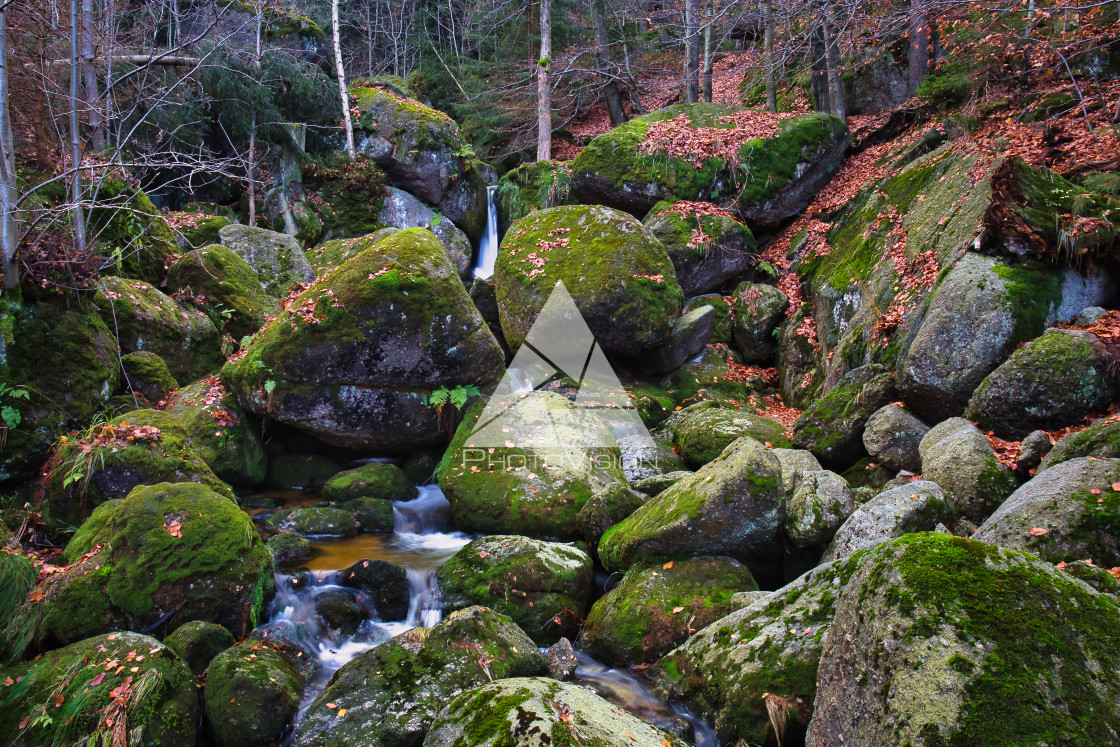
(488, 247)
(423, 539)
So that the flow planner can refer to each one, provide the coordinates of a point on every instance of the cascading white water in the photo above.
(488, 249)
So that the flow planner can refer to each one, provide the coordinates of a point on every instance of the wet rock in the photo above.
(339, 610)
(372, 480)
(561, 658)
(287, 546)
(385, 584)
(316, 522)
(402, 210)
(371, 515)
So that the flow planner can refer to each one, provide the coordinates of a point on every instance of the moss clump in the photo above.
(220, 433)
(196, 643)
(223, 286)
(531, 187)
(145, 373)
(288, 546)
(832, 427)
(1031, 292)
(702, 431)
(202, 231)
(353, 195)
(331, 254)
(725, 316)
(372, 480)
(61, 685)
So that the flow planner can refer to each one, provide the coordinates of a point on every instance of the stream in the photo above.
(423, 539)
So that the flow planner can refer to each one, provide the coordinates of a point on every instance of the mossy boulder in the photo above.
(222, 283)
(619, 276)
(977, 315)
(253, 691)
(317, 521)
(530, 187)
(544, 587)
(220, 432)
(276, 258)
(538, 711)
(915, 507)
(143, 447)
(371, 480)
(533, 491)
(725, 315)
(172, 547)
(1101, 439)
(146, 374)
(417, 146)
(1016, 651)
(197, 642)
(817, 508)
(65, 357)
(832, 427)
(658, 484)
(702, 431)
(402, 210)
(74, 687)
(958, 457)
(653, 610)
(383, 584)
(732, 506)
(765, 181)
(1051, 382)
(330, 254)
(371, 515)
(354, 357)
(131, 230)
(146, 319)
(771, 646)
(288, 546)
(606, 508)
(709, 377)
(199, 230)
(339, 611)
(891, 437)
(707, 246)
(392, 693)
(300, 471)
(1057, 516)
(759, 309)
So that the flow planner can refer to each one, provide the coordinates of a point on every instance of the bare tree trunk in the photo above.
(7, 170)
(691, 51)
(75, 133)
(768, 58)
(250, 171)
(604, 64)
(89, 74)
(919, 44)
(709, 61)
(544, 90)
(819, 76)
(832, 56)
(343, 93)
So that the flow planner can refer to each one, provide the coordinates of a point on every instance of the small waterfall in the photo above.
(488, 249)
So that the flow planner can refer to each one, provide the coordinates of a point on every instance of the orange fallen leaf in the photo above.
(59, 700)
(1038, 531)
(667, 566)
(677, 610)
(1095, 491)
(332, 706)
(1116, 486)
(342, 713)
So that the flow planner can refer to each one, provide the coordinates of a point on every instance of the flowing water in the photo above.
(423, 539)
(488, 248)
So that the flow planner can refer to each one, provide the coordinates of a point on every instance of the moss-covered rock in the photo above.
(1078, 523)
(417, 146)
(253, 691)
(300, 471)
(707, 246)
(75, 688)
(146, 374)
(658, 484)
(131, 231)
(606, 508)
(709, 377)
(618, 274)
(544, 587)
(196, 643)
(371, 480)
(339, 611)
(1053, 381)
(331, 254)
(891, 437)
(1101, 439)
(530, 187)
(536, 492)
(733, 506)
(392, 693)
(702, 431)
(224, 285)
(65, 358)
(832, 427)
(145, 319)
(538, 711)
(958, 457)
(817, 508)
(767, 180)
(167, 548)
(220, 432)
(199, 230)
(276, 258)
(289, 546)
(316, 521)
(384, 584)
(354, 357)
(942, 640)
(772, 646)
(371, 515)
(915, 507)
(653, 610)
(725, 315)
(402, 210)
(977, 315)
(759, 310)
(144, 447)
